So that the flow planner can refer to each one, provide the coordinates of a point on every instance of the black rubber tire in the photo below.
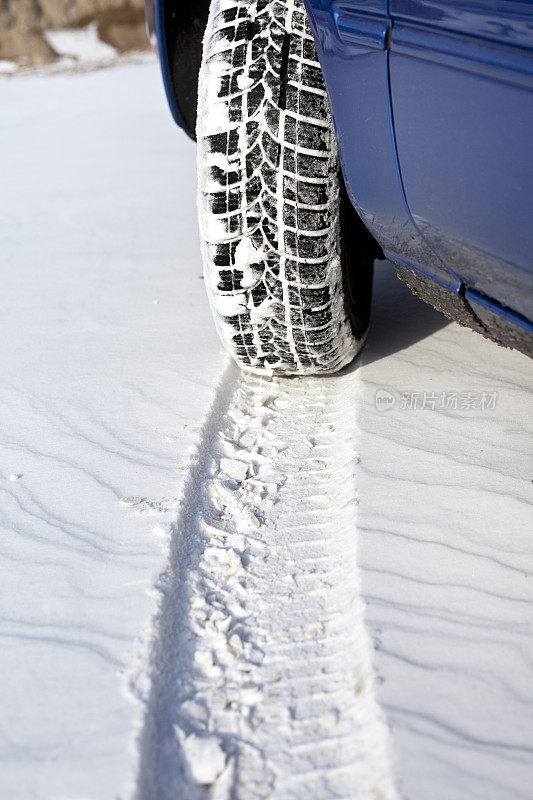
(270, 192)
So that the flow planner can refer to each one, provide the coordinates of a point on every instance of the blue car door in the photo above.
(462, 103)
(352, 39)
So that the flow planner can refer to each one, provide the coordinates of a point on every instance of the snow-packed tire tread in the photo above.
(269, 191)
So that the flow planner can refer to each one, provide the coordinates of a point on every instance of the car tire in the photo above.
(276, 226)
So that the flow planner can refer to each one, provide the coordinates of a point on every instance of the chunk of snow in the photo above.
(204, 756)
(244, 81)
(237, 470)
(83, 44)
(229, 305)
(245, 254)
(263, 311)
(235, 642)
(7, 67)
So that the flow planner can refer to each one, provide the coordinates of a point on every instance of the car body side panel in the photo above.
(351, 39)
(506, 22)
(461, 77)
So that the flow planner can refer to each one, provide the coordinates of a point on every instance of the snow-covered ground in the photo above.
(446, 549)
(186, 553)
(107, 363)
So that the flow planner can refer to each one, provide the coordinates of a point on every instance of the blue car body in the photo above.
(433, 108)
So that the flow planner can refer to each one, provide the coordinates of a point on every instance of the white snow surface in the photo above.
(107, 363)
(301, 531)
(7, 67)
(80, 44)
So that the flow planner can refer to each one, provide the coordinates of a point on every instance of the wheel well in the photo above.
(181, 29)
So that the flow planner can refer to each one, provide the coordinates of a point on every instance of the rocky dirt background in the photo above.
(120, 23)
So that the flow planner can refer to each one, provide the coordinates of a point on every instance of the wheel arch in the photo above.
(177, 31)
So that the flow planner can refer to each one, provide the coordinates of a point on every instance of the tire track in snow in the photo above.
(260, 672)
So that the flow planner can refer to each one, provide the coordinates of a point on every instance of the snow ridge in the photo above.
(261, 677)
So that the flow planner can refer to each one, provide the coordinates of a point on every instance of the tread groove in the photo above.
(283, 72)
